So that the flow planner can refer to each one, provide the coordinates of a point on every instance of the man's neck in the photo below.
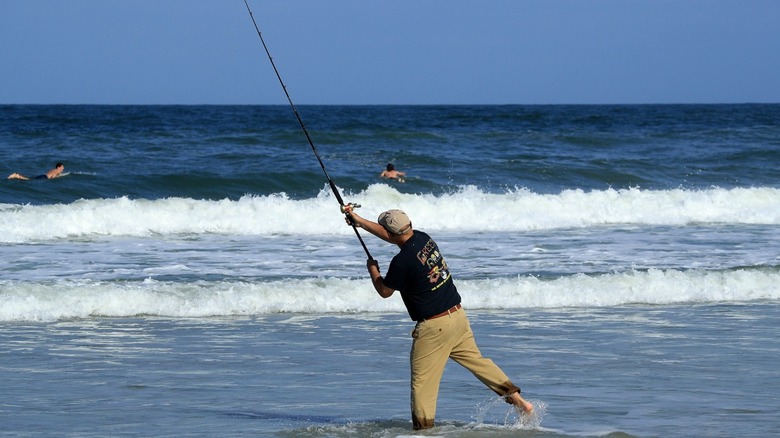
(403, 238)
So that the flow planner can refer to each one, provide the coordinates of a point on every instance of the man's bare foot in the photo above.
(520, 403)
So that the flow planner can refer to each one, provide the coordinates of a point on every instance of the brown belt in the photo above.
(452, 309)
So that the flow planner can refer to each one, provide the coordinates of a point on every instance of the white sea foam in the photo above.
(470, 209)
(46, 301)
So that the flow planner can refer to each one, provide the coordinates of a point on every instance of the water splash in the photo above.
(496, 411)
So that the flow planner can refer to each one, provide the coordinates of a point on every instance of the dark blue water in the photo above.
(215, 152)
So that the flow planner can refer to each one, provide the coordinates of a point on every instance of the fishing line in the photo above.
(306, 132)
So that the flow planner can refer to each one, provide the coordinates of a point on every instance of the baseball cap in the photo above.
(395, 221)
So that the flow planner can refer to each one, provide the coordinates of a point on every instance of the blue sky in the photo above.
(390, 52)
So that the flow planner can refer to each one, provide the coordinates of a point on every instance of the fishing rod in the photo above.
(308, 137)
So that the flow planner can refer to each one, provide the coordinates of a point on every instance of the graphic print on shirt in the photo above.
(437, 268)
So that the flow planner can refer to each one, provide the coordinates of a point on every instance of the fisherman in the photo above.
(443, 331)
(51, 174)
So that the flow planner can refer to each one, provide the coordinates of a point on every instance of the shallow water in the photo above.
(698, 370)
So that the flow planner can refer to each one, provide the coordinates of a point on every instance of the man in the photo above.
(51, 174)
(391, 173)
(420, 273)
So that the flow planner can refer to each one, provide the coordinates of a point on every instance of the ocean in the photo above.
(192, 275)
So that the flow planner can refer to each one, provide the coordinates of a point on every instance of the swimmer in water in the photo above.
(391, 173)
(51, 174)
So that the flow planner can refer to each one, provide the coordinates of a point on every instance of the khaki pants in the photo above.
(436, 340)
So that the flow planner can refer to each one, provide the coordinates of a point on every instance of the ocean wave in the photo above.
(51, 301)
(468, 209)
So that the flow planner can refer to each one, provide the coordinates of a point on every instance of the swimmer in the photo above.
(391, 173)
(51, 174)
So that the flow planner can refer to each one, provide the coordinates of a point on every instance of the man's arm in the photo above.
(370, 226)
(376, 279)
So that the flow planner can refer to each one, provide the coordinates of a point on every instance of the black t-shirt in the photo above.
(421, 274)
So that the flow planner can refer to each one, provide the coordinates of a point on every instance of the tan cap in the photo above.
(395, 221)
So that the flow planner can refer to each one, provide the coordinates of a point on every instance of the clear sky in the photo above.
(390, 52)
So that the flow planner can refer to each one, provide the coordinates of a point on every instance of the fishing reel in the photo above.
(351, 205)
